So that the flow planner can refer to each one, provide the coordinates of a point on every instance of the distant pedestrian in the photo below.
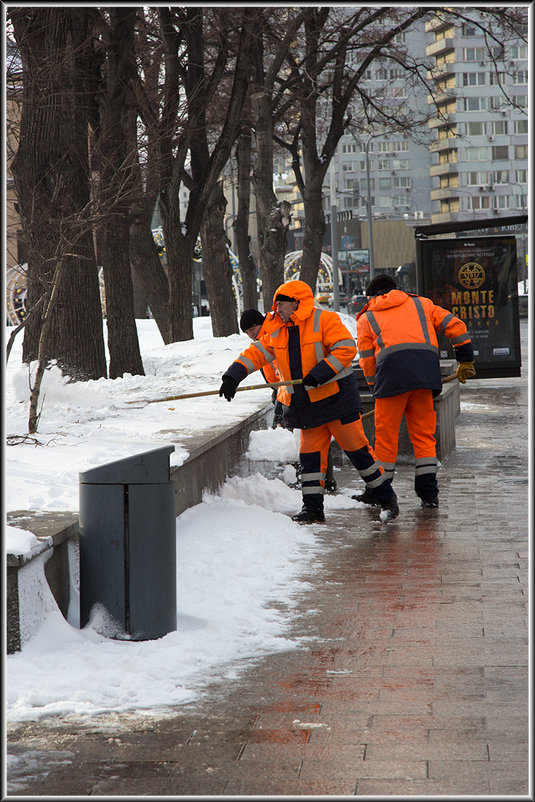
(312, 344)
(399, 356)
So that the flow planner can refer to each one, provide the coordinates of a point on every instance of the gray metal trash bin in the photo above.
(128, 545)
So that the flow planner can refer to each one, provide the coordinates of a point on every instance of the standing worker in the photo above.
(399, 356)
(251, 322)
(312, 344)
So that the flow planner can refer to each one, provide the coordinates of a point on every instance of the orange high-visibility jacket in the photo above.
(398, 346)
(319, 343)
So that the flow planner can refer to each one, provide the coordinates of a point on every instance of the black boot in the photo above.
(368, 497)
(430, 501)
(389, 509)
(308, 515)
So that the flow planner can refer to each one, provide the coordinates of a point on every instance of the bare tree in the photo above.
(116, 160)
(321, 83)
(216, 267)
(51, 176)
(243, 240)
(191, 156)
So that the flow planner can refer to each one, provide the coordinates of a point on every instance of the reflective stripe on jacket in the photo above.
(398, 346)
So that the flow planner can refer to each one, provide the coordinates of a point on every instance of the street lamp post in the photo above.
(334, 242)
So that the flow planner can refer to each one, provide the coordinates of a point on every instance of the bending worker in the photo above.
(313, 344)
(251, 322)
(399, 356)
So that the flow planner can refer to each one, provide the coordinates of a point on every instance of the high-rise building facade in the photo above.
(480, 147)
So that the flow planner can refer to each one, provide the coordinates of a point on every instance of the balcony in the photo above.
(451, 168)
(443, 144)
(441, 122)
(444, 192)
(442, 46)
(436, 24)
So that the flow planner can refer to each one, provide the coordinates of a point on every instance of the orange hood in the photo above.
(302, 293)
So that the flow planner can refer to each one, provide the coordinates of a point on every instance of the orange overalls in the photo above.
(398, 353)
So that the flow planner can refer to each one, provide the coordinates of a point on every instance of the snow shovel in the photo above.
(445, 380)
(143, 402)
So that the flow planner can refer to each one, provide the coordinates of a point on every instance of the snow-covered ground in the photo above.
(241, 560)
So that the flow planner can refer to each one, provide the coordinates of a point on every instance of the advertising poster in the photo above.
(476, 279)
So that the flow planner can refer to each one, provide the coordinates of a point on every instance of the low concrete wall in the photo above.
(214, 458)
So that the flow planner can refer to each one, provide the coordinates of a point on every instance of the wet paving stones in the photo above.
(412, 674)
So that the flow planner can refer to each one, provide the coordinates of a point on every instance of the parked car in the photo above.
(343, 299)
(324, 297)
(357, 303)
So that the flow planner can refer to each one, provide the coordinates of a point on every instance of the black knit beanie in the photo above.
(281, 297)
(251, 317)
(380, 284)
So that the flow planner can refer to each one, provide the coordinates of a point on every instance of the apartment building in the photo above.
(480, 146)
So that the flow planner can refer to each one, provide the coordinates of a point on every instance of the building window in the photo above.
(383, 164)
(520, 126)
(402, 182)
(519, 52)
(477, 179)
(521, 176)
(501, 176)
(500, 153)
(348, 167)
(521, 101)
(364, 184)
(385, 183)
(501, 202)
(400, 164)
(499, 127)
(496, 78)
(474, 129)
(449, 205)
(474, 54)
(477, 154)
(520, 77)
(474, 103)
(521, 151)
(473, 78)
(468, 30)
(478, 202)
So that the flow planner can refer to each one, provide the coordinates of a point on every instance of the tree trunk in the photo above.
(243, 239)
(149, 270)
(273, 217)
(179, 249)
(51, 176)
(314, 230)
(216, 267)
(117, 162)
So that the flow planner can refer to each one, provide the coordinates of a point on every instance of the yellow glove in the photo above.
(465, 370)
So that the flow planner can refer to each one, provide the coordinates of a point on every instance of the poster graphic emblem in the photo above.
(471, 275)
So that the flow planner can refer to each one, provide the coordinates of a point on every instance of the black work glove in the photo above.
(310, 381)
(228, 388)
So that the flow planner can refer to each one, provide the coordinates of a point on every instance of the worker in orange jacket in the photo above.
(399, 356)
(251, 323)
(312, 344)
